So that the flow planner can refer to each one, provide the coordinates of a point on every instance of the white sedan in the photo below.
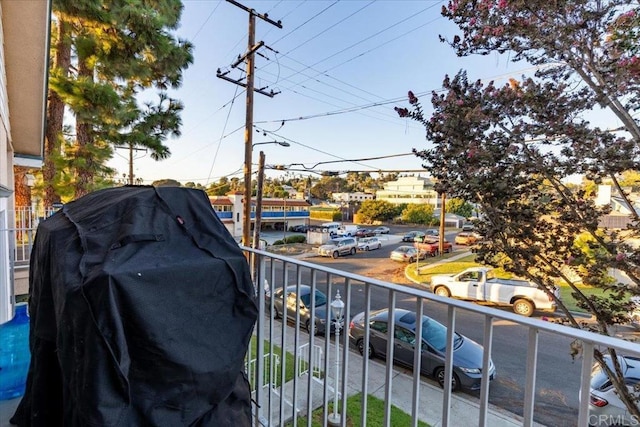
(381, 230)
(369, 243)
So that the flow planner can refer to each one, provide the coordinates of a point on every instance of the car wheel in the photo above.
(412, 260)
(455, 382)
(523, 307)
(442, 291)
(353, 251)
(311, 327)
(435, 253)
(335, 255)
(366, 248)
(276, 313)
(360, 346)
(379, 245)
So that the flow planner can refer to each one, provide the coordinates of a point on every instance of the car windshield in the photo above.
(332, 242)
(321, 299)
(436, 335)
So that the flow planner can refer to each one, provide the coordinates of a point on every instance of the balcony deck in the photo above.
(396, 386)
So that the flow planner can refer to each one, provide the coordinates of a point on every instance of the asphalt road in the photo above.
(557, 381)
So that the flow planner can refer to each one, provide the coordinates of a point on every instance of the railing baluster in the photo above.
(448, 366)
(585, 389)
(365, 356)
(487, 343)
(259, 374)
(530, 383)
(388, 386)
(345, 351)
(283, 342)
(417, 363)
(312, 353)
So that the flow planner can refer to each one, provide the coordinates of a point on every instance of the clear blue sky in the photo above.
(331, 62)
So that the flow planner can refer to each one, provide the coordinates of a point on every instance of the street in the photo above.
(557, 380)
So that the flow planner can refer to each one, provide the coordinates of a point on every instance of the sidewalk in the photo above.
(464, 410)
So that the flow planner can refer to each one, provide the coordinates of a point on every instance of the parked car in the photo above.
(299, 228)
(466, 238)
(468, 226)
(411, 235)
(431, 245)
(432, 232)
(347, 230)
(467, 354)
(338, 246)
(301, 300)
(605, 406)
(365, 232)
(369, 243)
(381, 230)
(480, 284)
(406, 253)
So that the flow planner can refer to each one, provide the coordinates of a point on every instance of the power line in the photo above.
(307, 21)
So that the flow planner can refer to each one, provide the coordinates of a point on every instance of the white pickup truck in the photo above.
(479, 284)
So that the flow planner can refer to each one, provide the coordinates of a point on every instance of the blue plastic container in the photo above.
(14, 354)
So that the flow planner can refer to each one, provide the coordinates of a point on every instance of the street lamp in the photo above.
(337, 308)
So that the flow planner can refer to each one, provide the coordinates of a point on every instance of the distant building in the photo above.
(293, 193)
(277, 213)
(621, 210)
(352, 197)
(409, 189)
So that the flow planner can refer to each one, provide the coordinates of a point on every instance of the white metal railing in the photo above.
(270, 360)
(310, 362)
(280, 270)
(24, 233)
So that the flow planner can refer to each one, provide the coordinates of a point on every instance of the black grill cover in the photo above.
(142, 308)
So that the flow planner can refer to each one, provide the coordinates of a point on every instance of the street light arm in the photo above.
(281, 143)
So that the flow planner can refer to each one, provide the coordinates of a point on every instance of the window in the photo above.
(404, 335)
(379, 326)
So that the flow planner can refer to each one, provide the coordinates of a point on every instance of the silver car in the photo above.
(369, 243)
(467, 354)
(339, 246)
(605, 406)
(299, 301)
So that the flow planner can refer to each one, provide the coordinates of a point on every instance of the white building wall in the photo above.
(6, 184)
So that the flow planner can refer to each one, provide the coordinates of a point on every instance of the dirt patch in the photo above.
(291, 249)
(394, 274)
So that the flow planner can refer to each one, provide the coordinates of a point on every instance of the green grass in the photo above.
(423, 275)
(375, 414)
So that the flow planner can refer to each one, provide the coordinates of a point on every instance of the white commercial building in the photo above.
(409, 189)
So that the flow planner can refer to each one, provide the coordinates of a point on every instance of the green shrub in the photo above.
(278, 242)
(295, 239)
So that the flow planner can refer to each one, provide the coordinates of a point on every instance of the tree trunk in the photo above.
(55, 115)
(85, 170)
(22, 190)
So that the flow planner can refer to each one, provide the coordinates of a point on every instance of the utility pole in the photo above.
(248, 134)
(131, 149)
(256, 228)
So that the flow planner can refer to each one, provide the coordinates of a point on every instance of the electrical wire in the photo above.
(306, 22)
(224, 128)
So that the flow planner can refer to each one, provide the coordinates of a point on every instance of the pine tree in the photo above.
(118, 49)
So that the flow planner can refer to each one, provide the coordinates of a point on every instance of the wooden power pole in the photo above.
(248, 131)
